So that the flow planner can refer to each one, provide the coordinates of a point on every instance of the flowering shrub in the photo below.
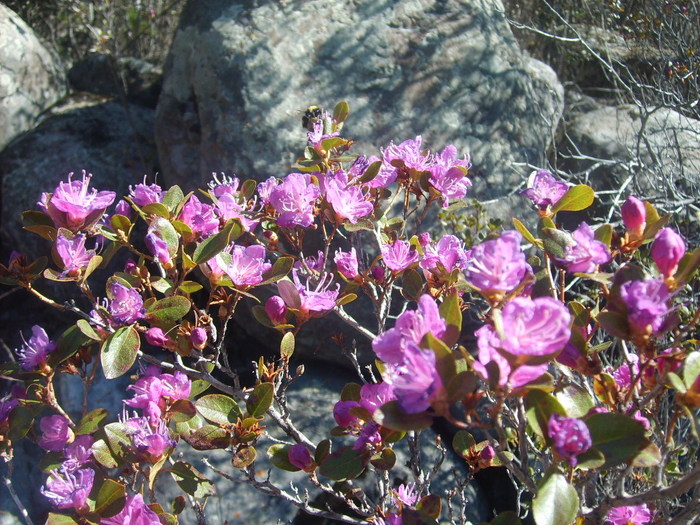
(584, 383)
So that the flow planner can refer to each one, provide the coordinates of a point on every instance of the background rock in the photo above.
(111, 140)
(31, 77)
(240, 75)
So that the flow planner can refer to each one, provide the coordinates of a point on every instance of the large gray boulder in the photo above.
(241, 73)
(112, 141)
(658, 150)
(31, 77)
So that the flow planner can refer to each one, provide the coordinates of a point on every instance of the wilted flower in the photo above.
(634, 216)
(276, 309)
(300, 457)
(399, 256)
(347, 263)
(543, 189)
(125, 304)
(74, 206)
(667, 251)
(294, 200)
(629, 515)
(498, 265)
(135, 512)
(73, 254)
(448, 175)
(34, 353)
(586, 253)
(200, 217)
(67, 490)
(570, 437)
(55, 433)
(247, 265)
(143, 194)
(647, 306)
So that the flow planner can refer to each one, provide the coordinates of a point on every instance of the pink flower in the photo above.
(34, 353)
(543, 189)
(199, 217)
(570, 437)
(247, 265)
(6, 407)
(143, 194)
(629, 515)
(347, 263)
(647, 306)
(414, 379)
(73, 206)
(373, 396)
(587, 253)
(69, 490)
(342, 414)
(349, 202)
(294, 200)
(306, 297)
(634, 215)
(667, 251)
(153, 389)
(410, 327)
(125, 304)
(229, 202)
(409, 153)
(315, 264)
(156, 336)
(135, 512)
(499, 265)
(73, 254)
(535, 327)
(300, 457)
(158, 247)
(150, 442)
(489, 342)
(123, 208)
(276, 309)
(198, 337)
(55, 433)
(626, 372)
(78, 453)
(399, 256)
(447, 175)
(406, 494)
(442, 258)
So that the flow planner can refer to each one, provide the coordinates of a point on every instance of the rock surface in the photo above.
(112, 141)
(664, 163)
(240, 75)
(31, 78)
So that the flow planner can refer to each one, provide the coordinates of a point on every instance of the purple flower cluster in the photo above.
(570, 437)
(647, 305)
(294, 200)
(586, 253)
(440, 259)
(629, 515)
(372, 396)
(135, 512)
(499, 266)
(34, 353)
(154, 391)
(125, 304)
(349, 201)
(399, 256)
(247, 264)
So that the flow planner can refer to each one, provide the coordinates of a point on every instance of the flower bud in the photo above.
(634, 215)
(156, 337)
(378, 273)
(300, 457)
(570, 437)
(198, 337)
(276, 309)
(424, 239)
(667, 251)
(123, 208)
(342, 415)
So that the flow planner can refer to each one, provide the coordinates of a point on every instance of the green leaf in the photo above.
(103, 455)
(385, 460)
(341, 112)
(67, 345)
(462, 442)
(522, 229)
(540, 406)
(157, 208)
(279, 457)
(166, 231)
(577, 198)
(87, 330)
(219, 408)
(617, 436)
(189, 287)
(575, 400)
(214, 245)
(199, 386)
(411, 284)
(691, 369)
(687, 266)
(591, 459)
(260, 400)
(506, 518)
(344, 464)
(391, 416)
(370, 173)
(167, 311)
(118, 438)
(322, 450)
(182, 410)
(351, 392)
(91, 422)
(556, 241)
(20, 422)
(430, 505)
(346, 299)
(287, 345)
(244, 457)
(361, 224)
(119, 351)
(279, 270)
(191, 480)
(60, 519)
(411, 516)
(110, 499)
(614, 323)
(654, 226)
(173, 198)
(604, 234)
(556, 502)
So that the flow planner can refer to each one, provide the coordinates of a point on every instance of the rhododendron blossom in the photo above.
(125, 304)
(34, 353)
(294, 199)
(135, 512)
(200, 217)
(667, 251)
(78, 453)
(73, 254)
(149, 441)
(543, 189)
(629, 515)
(348, 202)
(634, 215)
(247, 265)
(586, 253)
(55, 432)
(647, 306)
(74, 206)
(69, 490)
(144, 194)
(409, 152)
(443, 257)
(414, 378)
(535, 327)
(448, 175)
(347, 263)
(498, 265)
(570, 437)
(399, 256)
